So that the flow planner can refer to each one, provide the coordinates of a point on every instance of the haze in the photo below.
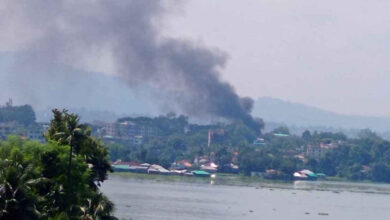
(329, 54)
(332, 55)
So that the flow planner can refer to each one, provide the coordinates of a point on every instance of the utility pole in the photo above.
(210, 137)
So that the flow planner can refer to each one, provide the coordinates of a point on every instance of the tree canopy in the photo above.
(56, 180)
(23, 114)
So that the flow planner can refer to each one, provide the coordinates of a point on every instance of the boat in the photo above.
(305, 175)
(201, 173)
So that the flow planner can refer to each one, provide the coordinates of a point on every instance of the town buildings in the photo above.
(131, 132)
(31, 132)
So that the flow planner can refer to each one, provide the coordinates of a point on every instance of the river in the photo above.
(189, 198)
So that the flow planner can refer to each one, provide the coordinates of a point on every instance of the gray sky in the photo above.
(330, 54)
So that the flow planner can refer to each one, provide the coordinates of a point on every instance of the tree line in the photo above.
(366, 157)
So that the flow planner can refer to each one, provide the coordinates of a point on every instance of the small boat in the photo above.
(201, 173)
(305, 175)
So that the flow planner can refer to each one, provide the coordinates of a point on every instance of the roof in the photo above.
(200, 172)
(281, 135)
(120, 162)
(157, 167)
(210, 165)
(308, 173)
(185, 163)
(121, 166)
(145, 165)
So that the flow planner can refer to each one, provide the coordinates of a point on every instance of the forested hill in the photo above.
(294, 114)
(23, 114)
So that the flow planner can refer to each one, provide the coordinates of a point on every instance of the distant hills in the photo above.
(300, 115)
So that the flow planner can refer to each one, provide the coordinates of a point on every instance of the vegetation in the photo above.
(56, 180)
(364, 158)
(367, 157)
(22, 114)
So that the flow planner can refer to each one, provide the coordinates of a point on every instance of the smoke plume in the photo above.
(122, 38)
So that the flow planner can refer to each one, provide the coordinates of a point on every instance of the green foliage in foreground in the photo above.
(38, 182)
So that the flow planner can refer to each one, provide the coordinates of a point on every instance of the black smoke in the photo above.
(79, 33)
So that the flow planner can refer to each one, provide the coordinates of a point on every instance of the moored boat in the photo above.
(305, 175)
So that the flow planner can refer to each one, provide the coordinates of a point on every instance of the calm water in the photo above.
(156, 198)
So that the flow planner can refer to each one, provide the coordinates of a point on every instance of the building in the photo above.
(215, 136)
(36, 132)
(313, 151)
(31, 132)
(318, 150)
(109, 129)
(127, 132)
(9, 128)
(259, 142)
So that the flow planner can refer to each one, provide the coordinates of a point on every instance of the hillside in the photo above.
(295, 114)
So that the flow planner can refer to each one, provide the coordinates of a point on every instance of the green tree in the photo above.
(306, 135)
(17, 199)
(66, 130)
(34, 178)
(381, 172)
(23, 114)
(117, 151)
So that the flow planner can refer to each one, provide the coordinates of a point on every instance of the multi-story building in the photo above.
(36, 132)
(128, 131)
(31, 132)
(316, 151)
(8, 128)
(313, 151)
(109, 130)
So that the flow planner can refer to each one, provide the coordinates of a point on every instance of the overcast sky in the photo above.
(330, 54)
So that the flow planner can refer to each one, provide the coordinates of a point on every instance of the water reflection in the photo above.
(300, 184)
(212, 177)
